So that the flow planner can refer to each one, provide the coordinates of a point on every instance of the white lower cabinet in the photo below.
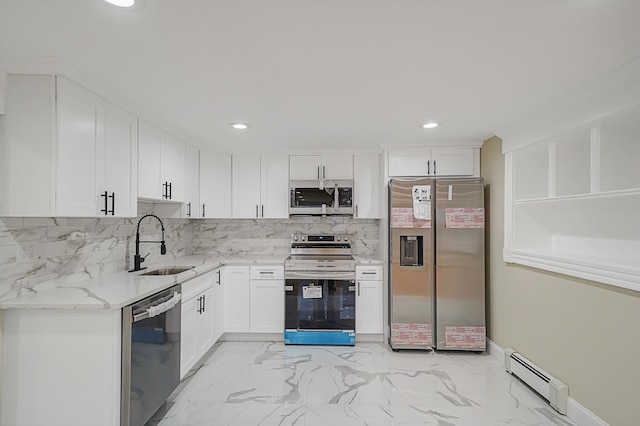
(369, 300)
(197, 327)
(218, 306)
(61, 367)
(235, 281)
(266, 299)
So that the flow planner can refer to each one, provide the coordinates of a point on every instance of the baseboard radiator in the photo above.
(550, 388)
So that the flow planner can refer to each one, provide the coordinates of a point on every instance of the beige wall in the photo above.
(586, 334)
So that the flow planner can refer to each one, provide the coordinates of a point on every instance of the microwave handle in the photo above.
(336, 198)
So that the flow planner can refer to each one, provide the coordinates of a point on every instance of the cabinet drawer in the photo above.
(274, 272)
(369, 272)
(197, 285)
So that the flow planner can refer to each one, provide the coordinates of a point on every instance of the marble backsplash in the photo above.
(76, 249)
(250, 237)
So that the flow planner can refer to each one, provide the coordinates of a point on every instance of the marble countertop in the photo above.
(124, 288)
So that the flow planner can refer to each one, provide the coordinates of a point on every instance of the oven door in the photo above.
(321, 302)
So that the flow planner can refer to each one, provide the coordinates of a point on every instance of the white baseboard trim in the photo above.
(581, 415)
(577, 412)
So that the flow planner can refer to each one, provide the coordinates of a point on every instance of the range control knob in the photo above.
(304, 238)
(346, 238)
(295, 237)
(339, 238)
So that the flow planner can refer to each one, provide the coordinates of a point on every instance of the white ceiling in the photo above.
(330, 74)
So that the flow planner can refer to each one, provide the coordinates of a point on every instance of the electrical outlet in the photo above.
(27, 252)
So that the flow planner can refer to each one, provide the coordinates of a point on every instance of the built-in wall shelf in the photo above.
(573, 201)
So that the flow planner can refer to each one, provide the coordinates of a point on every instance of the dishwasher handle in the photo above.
(160, 308)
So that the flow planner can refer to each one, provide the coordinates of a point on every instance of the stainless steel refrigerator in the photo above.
(437, 286)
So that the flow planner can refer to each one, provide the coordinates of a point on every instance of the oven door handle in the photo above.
(319, 275)
(158, 309)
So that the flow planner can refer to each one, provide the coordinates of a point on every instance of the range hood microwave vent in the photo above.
(320, 197)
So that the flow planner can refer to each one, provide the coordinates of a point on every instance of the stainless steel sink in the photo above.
(167, 271)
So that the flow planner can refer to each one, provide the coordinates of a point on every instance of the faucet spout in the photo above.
(137, 259)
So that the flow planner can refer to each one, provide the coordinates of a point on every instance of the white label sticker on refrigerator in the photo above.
(421, 195)
(312, 292)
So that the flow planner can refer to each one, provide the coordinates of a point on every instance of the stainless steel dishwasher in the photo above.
(150, 355)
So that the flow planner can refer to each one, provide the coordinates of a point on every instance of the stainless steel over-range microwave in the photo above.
(321, 197)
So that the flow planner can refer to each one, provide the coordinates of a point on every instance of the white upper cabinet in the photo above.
(260, 186)
(96, 151)
(366, 186)
(80, 135)
(120, 180)
(436, 161)
(313, 167)
(149, 161)
(190, 208)
(215, 186)
(66, 151)
(274, 186)
(246, 186)
(27, 168)
(173, 177)
(161, 165)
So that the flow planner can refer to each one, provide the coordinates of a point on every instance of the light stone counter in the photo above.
(367, 261)
(121, 289)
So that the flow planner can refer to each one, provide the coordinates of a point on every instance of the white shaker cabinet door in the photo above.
(215, 186)
(274, 186)
(188, 336)
(173, 153)
(120, 156)
(337, 166)
(236, 299)
(149, 161)
(267, 306)
(218, 306)
(305, 167)
(369, 307)
(366, 186)
(80, 138)
(410, 162)
(190, 208)
(204, 324)
(246, 186)
(452, 161)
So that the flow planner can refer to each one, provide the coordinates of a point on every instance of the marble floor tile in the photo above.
(269, 383)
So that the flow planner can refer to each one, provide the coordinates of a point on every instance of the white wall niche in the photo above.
(573, 201)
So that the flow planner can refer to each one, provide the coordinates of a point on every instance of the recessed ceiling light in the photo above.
(430, 125)
(121, 3)
(239, 126)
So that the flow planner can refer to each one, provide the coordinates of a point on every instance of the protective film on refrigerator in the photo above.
(418, 216)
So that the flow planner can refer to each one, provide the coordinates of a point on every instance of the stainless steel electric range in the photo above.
(320, 292)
